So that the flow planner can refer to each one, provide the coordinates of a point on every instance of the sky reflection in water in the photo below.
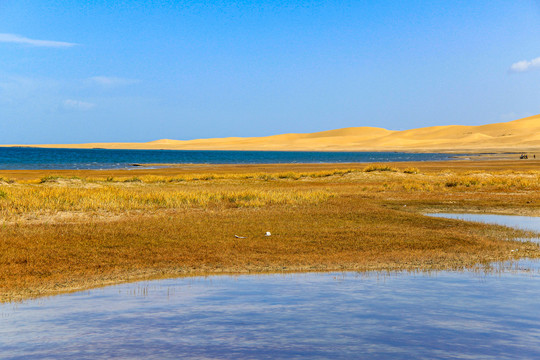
(338, 316)
(530, 223)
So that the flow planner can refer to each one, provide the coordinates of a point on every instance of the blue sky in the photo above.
(82, 71)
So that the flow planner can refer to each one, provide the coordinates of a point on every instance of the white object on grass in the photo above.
(239, 237)
(267, 233)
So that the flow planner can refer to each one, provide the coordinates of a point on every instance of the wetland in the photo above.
(71, 230)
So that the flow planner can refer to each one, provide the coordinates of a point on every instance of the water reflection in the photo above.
(338, 316)
(530, 223)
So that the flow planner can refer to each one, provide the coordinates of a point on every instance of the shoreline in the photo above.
(494, 164)
(478, 151)
(495, 267)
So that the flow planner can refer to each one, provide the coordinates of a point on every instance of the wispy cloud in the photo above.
(525, 65)
(111, 81)
(17, 39)
(70, 104)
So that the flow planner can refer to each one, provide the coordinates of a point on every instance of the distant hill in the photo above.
(518, 135)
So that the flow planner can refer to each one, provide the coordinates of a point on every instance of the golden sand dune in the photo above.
(518, 135)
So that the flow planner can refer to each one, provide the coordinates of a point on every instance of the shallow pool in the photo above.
(332, 316)
(530, 223)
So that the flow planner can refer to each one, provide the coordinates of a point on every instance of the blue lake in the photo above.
(439, 315)
(530, 223)
(35, 158)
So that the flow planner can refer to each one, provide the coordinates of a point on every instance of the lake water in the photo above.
(36, 158)
(457, 315)
(530, 223)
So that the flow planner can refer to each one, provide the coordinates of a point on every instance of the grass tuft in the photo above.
(411, 170)
(50, 178)
(380, 167)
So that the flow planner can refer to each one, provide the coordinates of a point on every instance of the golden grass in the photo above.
(379, 167)
(71, 230)
(28, 198)
(411, 170)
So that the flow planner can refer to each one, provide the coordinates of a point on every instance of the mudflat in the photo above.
(70, 230)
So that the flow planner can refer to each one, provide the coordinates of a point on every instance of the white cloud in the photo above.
(70, 104)
(111, 81)
(525, 65)
(17, 39)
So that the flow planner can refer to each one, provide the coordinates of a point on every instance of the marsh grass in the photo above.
(411, 170)
(31, 198)
(183, 223)
(380, 167)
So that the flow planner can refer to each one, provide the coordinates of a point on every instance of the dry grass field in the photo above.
(70, 230)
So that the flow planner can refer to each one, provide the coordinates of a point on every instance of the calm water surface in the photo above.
(35, 158)
(458, 315)
(530, 223)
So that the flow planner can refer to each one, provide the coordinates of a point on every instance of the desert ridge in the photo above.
(515, 136)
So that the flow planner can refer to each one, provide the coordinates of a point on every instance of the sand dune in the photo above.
(518, 135)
